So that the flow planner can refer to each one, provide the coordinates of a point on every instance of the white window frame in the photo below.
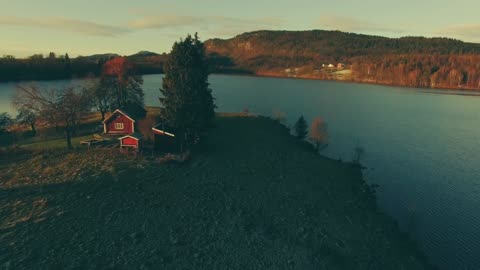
(119, 126)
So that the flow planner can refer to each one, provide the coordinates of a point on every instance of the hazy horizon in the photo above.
(45, 53)
(124, 28)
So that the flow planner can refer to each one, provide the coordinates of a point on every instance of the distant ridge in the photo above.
(406, 61)
(99, 57)
(323, 41)
(144, 54)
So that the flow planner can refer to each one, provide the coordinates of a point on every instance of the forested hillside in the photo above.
(408, 61)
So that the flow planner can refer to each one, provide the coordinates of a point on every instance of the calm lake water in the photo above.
(422, 148)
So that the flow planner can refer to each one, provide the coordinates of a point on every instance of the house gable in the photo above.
(131, 141)
(115, 113)
(119, 123)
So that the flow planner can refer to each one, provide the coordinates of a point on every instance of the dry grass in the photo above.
(59, 167)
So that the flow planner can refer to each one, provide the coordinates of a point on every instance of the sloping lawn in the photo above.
(54, 144)
(251, 197)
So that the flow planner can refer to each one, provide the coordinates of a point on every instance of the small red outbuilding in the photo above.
(131, 141)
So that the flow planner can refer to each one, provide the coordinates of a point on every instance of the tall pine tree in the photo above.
(188, 105)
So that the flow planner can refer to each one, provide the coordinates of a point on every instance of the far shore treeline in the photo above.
(56, 67)
(408, 61)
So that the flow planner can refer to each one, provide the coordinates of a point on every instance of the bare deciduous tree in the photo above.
(318, 133)
(71, 106)
(55, 107)
(101, 94)
(27, 118)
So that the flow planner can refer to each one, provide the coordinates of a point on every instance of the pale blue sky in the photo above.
(82, 27)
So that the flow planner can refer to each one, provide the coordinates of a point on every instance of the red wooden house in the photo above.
(119, 123)
(123, 123)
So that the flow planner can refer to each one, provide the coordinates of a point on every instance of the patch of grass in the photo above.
(53, 144)
(56, 167)
(251, 197)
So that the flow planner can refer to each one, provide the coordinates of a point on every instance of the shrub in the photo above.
(280, 117)
(318, 133)
(358, 154)
(177, 158)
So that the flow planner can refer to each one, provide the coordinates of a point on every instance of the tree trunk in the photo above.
(181, 144)
(74, 128)
(14, 135)
(68, 134)
(34, 130)
(183, 141)
(103, 114)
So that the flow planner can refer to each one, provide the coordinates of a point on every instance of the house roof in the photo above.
(163, 129)
(137, 136)
(118, 111)
(135, 111)
(131, 111)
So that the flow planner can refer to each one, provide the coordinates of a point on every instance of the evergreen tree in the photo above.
(5, 122)
(68, 65)
(188, 105)
(301, 128)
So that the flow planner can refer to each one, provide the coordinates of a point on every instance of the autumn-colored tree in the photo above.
(118, 67)
(318, 133)
(121, 82)
(279, 116)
